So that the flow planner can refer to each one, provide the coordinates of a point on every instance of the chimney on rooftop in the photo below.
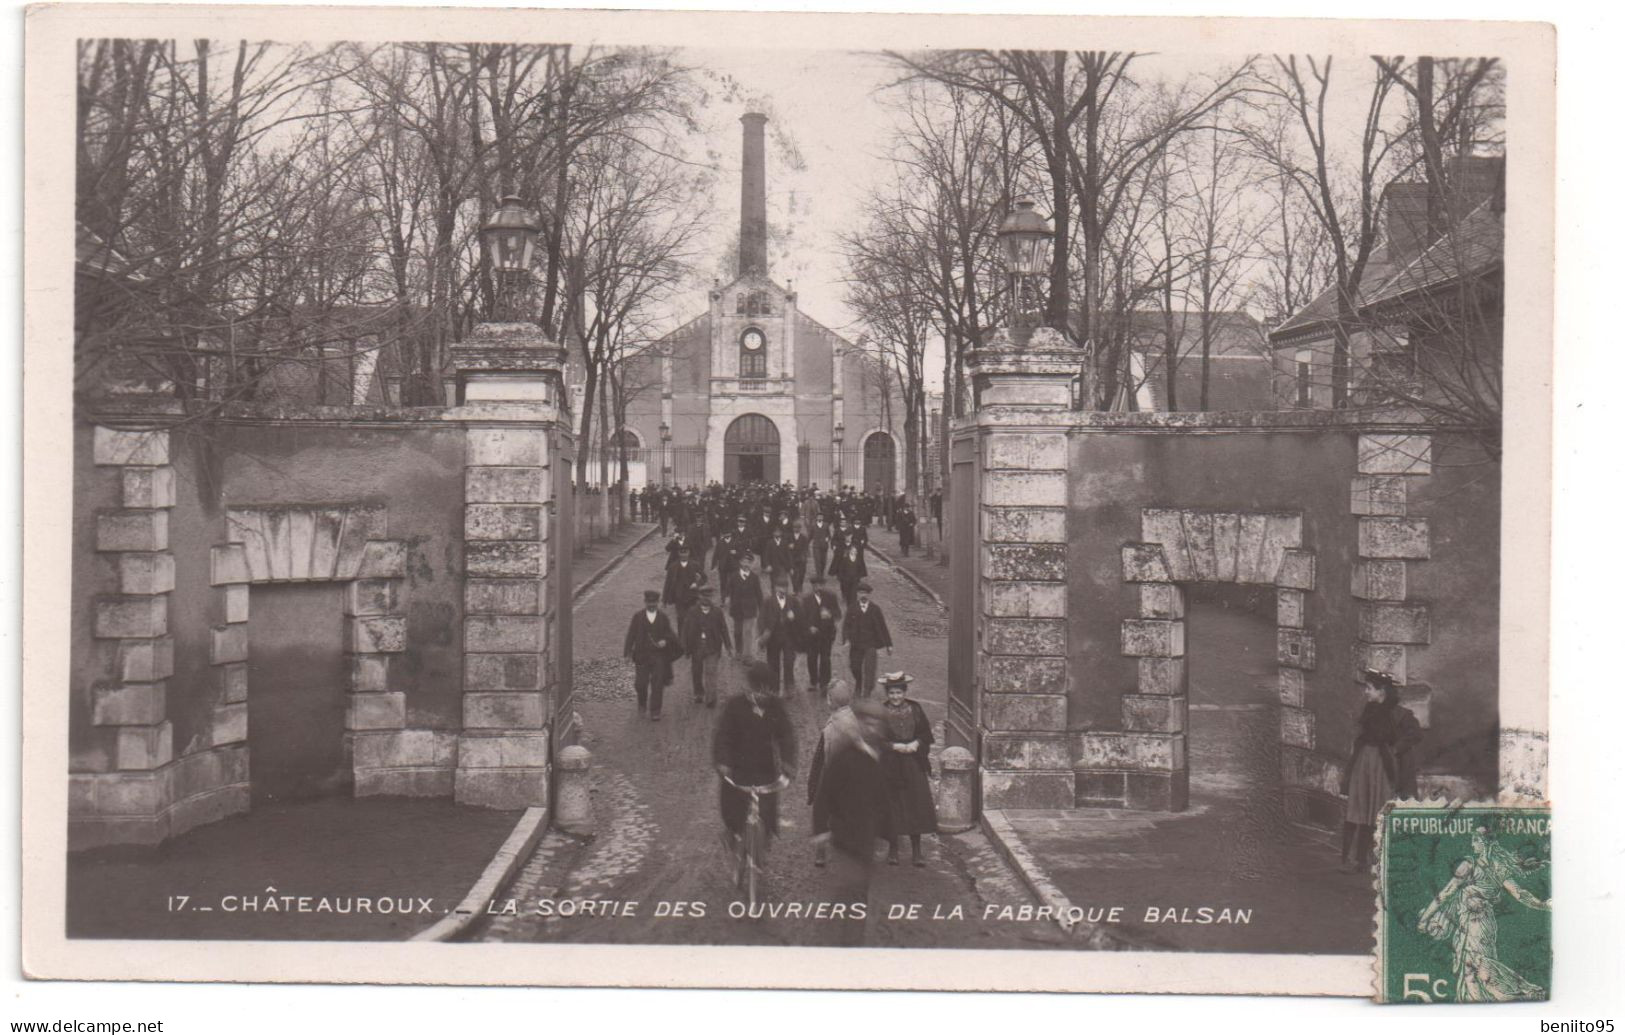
(753, 198)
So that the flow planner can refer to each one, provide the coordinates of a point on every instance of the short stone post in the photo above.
(954, 802)
(574, 800)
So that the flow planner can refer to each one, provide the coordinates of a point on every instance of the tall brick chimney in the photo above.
(753, 198)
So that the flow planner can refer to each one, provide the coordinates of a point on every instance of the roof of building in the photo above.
(1474, 248)
(1400, 264)
(1233, 329)
(1317, 318)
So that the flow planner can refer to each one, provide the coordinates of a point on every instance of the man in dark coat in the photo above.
(651, 643)
(754, 745)
(798, 557)
(818, 536)
(742, 596)
(730, 544)
(704, 637)
(820, 620)
(682, 579)
(906, 522)
(776, 559)
(699, 535)
(865, 632)
(779, 634)
(850, 810)
(677, 546)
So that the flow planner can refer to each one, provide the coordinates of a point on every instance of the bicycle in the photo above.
(752, 848)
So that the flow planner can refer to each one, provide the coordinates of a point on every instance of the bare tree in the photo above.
(1343, 194)
(1095, 138)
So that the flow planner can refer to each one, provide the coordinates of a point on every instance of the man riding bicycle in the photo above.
(754, 745)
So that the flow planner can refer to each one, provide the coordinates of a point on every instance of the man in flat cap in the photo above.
(779, 634)
(682, 579)
(705, 637)
(742, 596)
(652, 645)
(864, 630)
(820, 618)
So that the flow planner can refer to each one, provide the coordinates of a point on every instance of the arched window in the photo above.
(752, 354)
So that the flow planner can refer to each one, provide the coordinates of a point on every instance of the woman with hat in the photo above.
(906, 766)
(1372, 776)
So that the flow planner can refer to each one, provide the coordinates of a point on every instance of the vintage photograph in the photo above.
(571, 489)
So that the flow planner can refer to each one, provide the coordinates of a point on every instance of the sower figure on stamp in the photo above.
(865, 633)
(705, 637)
(652, 645)
(1463, 913)
(820, 620)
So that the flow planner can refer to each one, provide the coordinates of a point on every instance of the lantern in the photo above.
(1025, 237)
(510, 236)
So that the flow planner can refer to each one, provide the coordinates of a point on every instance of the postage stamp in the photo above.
(1464, 907)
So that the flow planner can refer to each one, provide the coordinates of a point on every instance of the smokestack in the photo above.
(753, 198)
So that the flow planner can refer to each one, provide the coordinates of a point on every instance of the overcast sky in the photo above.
(831, 106)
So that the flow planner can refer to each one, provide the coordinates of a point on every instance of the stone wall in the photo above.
(439, 524)
(1092, 525)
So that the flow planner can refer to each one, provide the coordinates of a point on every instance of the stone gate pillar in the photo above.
(1023, 397)
(510, 394)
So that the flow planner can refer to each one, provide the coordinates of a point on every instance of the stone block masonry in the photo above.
(1142, 766)
(140, 791)
(1022, 631)
(512, 577)
(1388, 540)
(502, 753)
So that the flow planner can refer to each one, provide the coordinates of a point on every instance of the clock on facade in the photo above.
(753, 339)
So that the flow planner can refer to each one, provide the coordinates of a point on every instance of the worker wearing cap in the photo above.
(778, 624)
(705, 638)
(865, 633)
(652, 645)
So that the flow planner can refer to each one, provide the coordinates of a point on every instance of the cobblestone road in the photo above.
(655, 803)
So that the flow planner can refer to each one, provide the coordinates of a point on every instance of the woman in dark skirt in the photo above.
(1373, 773)
(906, 766)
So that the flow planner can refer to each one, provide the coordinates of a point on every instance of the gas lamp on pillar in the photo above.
(1025, 238)
(665, 453)
(510, 240)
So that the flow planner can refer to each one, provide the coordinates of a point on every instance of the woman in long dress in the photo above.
(1372, 773)
(906, 766)
(1463, 913)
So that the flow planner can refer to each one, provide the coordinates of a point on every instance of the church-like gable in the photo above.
(754, 389)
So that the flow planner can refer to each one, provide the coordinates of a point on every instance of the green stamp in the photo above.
(1464, 904)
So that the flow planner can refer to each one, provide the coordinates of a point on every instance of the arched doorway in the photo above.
(750, 450)
(880, 464)
(627, 443)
